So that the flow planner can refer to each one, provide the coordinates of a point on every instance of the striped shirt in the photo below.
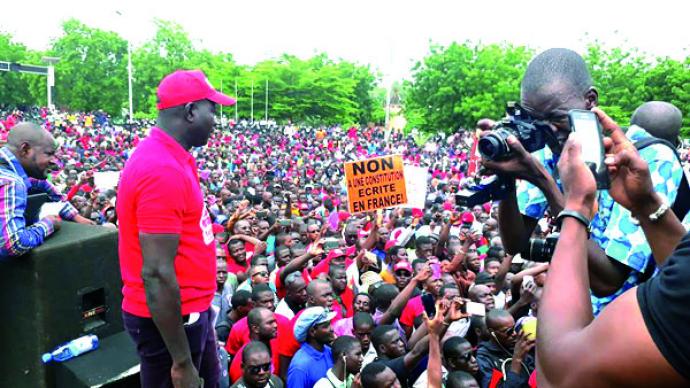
(15, 237)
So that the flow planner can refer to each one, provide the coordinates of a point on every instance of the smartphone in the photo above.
(284, 223)
(474, 308)
(527, 279)
(331, 243)
(528, 326)
(429, 304)
(436, 272)
(262, 214)
(586, 123)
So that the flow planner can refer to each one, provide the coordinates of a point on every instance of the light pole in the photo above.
(51, 61)
(129, 74)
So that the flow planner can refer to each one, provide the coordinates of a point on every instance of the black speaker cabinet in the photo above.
(67, 287)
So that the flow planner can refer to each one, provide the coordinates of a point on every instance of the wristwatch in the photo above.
(654, 217)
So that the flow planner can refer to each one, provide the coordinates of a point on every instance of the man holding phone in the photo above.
(556, 82)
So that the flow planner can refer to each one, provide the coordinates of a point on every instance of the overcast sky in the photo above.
(390, 35)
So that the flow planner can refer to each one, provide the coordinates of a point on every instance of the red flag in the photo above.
(473, 166)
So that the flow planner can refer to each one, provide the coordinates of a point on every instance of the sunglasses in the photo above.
(403, 273)
(263, 273)
(508, 332)
(465, 357)
(256, 369)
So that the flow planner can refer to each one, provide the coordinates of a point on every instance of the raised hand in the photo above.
(578, 181)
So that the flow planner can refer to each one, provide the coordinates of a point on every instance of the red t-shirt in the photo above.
(236, 364)
(347, 298)
(280, 287)
(411, 311)
(235, 268)
(159, 193)
(239, 334)
(324, 265)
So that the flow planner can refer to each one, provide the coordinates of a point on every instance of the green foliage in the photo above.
(457, 85)
(14, 87)
(454, 86)
(451, 87)
(92, 72)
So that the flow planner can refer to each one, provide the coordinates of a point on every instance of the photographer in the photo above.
(641, 338)
(555, 82)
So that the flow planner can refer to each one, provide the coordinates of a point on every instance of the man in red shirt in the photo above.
(263, 327)
(166, 242)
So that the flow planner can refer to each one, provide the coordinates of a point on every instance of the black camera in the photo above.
(482, 191)
(533, 135)
(541, 249)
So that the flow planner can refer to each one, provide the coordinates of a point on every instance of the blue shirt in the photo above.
(308, 366)
(15, 185)
(612, 227)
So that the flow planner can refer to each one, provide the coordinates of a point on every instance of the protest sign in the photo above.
(105, 180)
(375, 183)
(416, 184)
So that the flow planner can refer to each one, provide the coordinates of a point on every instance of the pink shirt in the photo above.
(159, 193)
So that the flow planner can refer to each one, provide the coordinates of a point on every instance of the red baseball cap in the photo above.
(185, 86)
(467, 218)
(403, 265)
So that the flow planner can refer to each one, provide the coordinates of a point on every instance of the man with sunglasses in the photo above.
(313, 233)
(263, 326)
(262, 296)
(166, 242)
(256, 368)
(457, 356)
(402, 272)
(505, 360)
(555, 82)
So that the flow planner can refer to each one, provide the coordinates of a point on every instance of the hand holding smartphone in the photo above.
(586, 124)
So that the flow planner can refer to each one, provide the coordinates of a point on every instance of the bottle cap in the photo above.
(46, 357)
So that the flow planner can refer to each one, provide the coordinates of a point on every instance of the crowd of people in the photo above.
(310, 295)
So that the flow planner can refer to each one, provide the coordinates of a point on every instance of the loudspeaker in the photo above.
(115, 364)
(67, 287)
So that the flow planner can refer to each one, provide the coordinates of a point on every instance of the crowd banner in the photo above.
(416, 185)
(375, 183)
(106, 180)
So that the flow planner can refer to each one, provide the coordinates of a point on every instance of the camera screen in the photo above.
(585, 123)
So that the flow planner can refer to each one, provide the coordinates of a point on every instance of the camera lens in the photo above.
(538, 250)
(492, 146)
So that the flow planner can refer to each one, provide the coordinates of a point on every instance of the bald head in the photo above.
(497, 318)
(34, 147)
(30, 133)
(556, 71)
(661, 119)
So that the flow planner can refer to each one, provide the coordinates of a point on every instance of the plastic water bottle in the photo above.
(72, 349)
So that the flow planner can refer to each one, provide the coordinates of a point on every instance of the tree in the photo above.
(92, 72)
(170, 49)
(457, 85)
(14, 87)
(453, 87)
